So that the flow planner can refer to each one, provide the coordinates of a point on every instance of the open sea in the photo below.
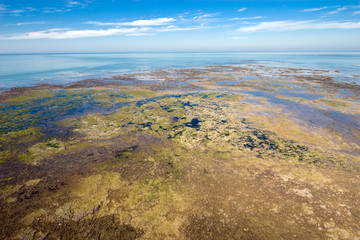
(18, 70)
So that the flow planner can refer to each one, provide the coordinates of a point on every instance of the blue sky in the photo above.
(35, 26)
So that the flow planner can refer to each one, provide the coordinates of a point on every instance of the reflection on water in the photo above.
(30, 69)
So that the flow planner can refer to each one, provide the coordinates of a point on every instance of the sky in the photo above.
(78, 26)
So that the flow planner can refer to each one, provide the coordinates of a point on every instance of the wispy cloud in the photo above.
(247, 18)
(314, 9)
(67, 7)
(16, 12)
(55, 10)
(277, 26)
(242, 9)
(28, 23)
(204, 19)
(66, 33)
(176, 29)
(356, 12)
(337, 10)
(31, 9)
(73, 4)
(209, 15)
(136, 23)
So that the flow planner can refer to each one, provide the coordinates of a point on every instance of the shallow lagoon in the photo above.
(205, 153)
(18, 70)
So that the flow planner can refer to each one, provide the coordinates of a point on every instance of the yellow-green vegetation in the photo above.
(36, 108)
(33, 95)
(339, 104)
(132, 162)
(208, 120)
(11, 143)
(9, 189)
(292, 131)
(40, 151)
(88, 195)
(335, 103)
(95, 126)
(33, 182)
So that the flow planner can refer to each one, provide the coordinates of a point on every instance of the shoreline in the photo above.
(47, 67)
(311, 75)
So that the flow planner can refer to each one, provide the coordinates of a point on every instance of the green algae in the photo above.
(9, 190)
(11, 143)
(36, 153)
(201, 123)
(31, 96)
(106, 227)
(142, 204)
(178, 165)
(23, 136)
(335, 103)
(33, 182)
(37, 110)
(90, 193)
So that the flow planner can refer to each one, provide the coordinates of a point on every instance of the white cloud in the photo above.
(175, 29)
(152, 22)
(54, 10)
(204, 16)
(356, 12)
(337, 10)
(64, 33)
(278, 26)
(247, 18)
(137, 23)
(242, 9)
(16, 11)
(68, 7)
(72, 3)
(314, 9)
(139, 34)
(31, 9)
(28, 23)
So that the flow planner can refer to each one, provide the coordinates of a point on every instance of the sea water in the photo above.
(18, 70)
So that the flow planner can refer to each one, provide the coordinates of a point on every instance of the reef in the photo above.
(218, 152)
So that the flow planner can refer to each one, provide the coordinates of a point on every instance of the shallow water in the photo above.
(133, 149)
(30, 69)
(314, 117)
(307, 96)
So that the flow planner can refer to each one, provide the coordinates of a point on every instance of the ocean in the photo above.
(19, 70)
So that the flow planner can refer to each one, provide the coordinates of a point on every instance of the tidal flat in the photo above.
(218, 152)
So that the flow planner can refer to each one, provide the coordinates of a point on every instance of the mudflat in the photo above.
(219, 152)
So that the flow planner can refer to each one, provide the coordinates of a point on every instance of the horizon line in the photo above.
(135, 52)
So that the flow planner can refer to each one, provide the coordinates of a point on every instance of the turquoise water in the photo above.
(31, 69)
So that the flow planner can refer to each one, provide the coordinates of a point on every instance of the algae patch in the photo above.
(40, 151)
(207, 153)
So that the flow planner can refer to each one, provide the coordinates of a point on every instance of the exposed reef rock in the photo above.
(221, 152)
